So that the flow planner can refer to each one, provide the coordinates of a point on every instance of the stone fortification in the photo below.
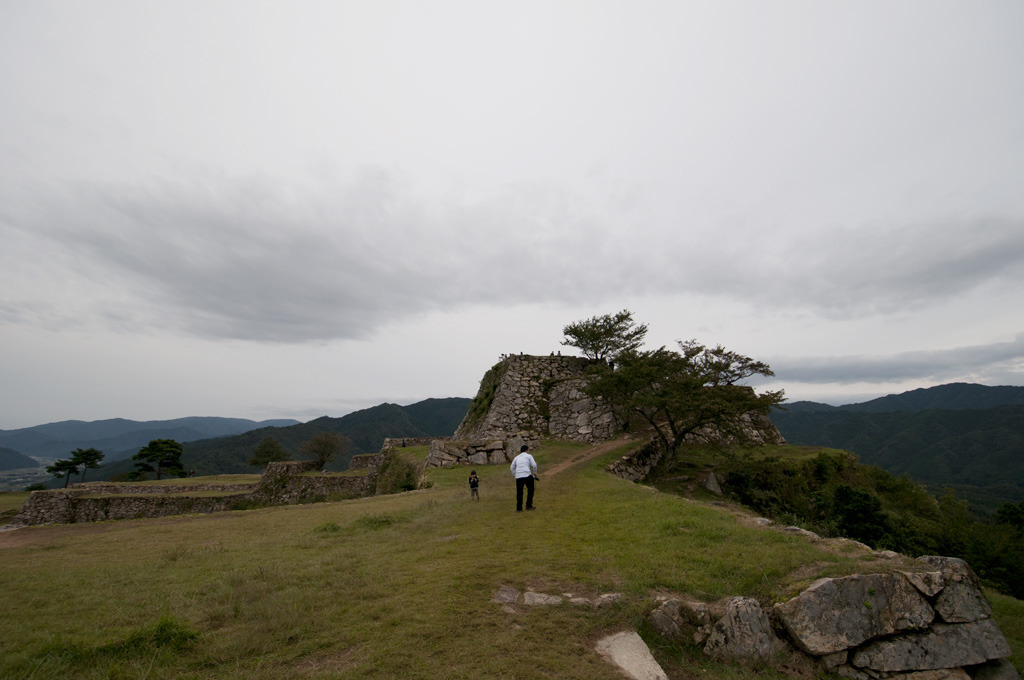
(544, 397)
(536, 397)
(448, 452)
(281, 482)
(71, 506)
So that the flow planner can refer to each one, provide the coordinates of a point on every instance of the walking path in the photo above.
(589, 453)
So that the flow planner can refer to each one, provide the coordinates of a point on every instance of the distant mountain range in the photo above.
(227, 452)
(965, 436)
(12, 460)
(117, 437)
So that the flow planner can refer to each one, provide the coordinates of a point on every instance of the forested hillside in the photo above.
(366, 429)
(12, 460)
(974, 443)
(118, 437)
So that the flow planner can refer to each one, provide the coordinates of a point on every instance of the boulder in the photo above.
(667, 620)
(945, 645)
(711, 484)
(961, 600)
(628, 651)
(930, 583)
(841, 613)
(744, 632)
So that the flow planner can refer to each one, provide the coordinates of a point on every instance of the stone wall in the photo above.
(538, 396)
(397, 442)
(281, 482)
(140, 489)
(544, 398)
(638, 463)
(303, 481)
(449, 452)
(70, 506)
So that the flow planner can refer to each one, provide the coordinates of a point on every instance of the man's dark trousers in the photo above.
(520, 483)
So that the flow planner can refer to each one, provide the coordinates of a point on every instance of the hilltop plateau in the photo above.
(405, 585)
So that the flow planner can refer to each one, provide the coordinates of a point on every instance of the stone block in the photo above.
(833, 615)
(743, 633)
(945, 645)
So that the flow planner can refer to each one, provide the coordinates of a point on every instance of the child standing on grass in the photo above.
(474, 485)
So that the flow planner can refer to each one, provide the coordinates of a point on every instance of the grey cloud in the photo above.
(884, 269)
(247, 259)
(1001, 362)
(256, 259)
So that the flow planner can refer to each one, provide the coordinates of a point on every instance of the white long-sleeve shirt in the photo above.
(523, 465)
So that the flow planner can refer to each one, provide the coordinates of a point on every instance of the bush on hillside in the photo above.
(395, 474)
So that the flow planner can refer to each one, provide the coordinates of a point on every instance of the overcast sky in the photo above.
(295, 209)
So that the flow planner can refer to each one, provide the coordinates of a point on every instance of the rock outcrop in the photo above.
(914, 625)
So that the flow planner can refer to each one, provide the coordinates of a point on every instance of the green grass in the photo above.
(206, 479)
(1009, 614)
(12, 500)
(386, 587)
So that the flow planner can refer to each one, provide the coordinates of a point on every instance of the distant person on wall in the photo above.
(474, 485)
(524, 467)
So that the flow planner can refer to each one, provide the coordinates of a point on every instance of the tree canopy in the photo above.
(63, 469)
(268, 451)
(165, 454)
(605, 337)
(87, 458)
(324, 446)
(682, 392)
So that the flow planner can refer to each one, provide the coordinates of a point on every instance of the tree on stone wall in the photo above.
(605, 337)
(165, 454)
(268, 451)
(677, 393)
(63, 469)
(87, 458)
(324, 446)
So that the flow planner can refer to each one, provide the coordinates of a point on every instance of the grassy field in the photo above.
(393, 586)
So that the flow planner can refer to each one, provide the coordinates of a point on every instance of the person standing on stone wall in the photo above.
(524, 468)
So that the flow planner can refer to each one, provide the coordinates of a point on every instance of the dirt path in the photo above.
(588, 454)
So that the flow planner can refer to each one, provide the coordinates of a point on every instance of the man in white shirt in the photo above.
(524, 467)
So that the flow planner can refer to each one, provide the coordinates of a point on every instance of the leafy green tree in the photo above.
(858, 514)
(682, 392)
(605, 337)
(267, 451)
(87, 458)
(63, 469)
(165, 454)
(324, 446)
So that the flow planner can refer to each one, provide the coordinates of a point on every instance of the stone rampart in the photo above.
(142, 489)
(638, 463)
(541, 397)
(74, 505)
(302, 481)
(400, 442)
(448, 452)
(281, 482)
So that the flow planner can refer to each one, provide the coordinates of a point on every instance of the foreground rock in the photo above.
(630, 653)
(913, 625)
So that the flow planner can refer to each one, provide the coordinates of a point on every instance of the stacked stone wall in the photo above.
(139, 489)
(540, 397)
(73, 506)
(638, 463)
(400, 442)
(281, 482)
(449, 452)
